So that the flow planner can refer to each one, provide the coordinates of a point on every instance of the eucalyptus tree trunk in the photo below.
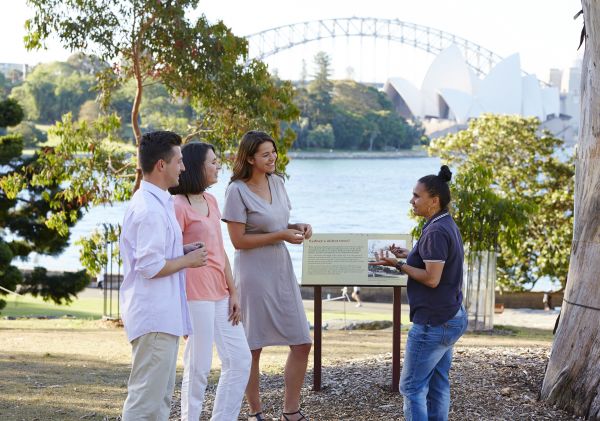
(572, 379)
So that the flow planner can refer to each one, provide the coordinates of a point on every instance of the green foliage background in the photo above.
(360, 116)
(148, 64)
(513, 192)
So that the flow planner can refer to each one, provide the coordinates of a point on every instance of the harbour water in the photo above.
(334, 196)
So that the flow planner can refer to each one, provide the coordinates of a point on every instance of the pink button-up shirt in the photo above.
(151, 235)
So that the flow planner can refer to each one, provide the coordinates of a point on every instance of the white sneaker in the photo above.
(359, 305)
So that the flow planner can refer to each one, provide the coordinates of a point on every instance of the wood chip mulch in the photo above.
(487, 383)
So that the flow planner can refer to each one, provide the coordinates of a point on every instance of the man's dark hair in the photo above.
(193, 179)
(155, 146)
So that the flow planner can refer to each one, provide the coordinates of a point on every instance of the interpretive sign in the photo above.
(351, 259)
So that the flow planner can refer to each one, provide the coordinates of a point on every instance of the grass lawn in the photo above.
(527, 332)
(78, 369)
(28, 306)
(91, 307)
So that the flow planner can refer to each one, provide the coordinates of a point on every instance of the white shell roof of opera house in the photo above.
(451, 90)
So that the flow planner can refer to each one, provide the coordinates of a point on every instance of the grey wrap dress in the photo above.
(272, 311)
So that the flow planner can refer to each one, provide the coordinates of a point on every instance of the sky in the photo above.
(543, 32)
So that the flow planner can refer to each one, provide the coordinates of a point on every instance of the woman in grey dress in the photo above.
(257, 211)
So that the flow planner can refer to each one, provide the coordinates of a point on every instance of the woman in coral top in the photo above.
(213, 300)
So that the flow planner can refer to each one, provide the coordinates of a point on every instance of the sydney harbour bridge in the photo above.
(430, 40)
(466, 81)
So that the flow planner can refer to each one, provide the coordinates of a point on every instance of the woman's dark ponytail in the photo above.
(437, 185)
(445, 173)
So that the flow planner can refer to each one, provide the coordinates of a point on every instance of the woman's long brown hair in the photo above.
(251, 141)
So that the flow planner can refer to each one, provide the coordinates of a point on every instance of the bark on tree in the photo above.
(139, 89)
(135, 124)
(572, 379)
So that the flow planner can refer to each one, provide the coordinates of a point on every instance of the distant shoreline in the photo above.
(333, 154)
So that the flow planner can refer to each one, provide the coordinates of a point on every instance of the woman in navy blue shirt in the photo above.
(435, 273)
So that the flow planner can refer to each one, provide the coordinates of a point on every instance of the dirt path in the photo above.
(52, 371)
(487, 384)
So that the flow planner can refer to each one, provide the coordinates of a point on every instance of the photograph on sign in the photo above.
(350, 259)
(378, 250)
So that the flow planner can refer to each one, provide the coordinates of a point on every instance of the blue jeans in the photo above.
(424, 381)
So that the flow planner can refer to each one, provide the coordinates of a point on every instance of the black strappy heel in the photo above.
(302, 417)
(257, 417)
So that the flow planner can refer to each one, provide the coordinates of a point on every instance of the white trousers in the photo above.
(210, 324)
(152, 379)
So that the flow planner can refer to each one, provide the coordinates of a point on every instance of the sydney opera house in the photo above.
(451, 94)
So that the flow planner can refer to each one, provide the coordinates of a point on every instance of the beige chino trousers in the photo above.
(152, 379)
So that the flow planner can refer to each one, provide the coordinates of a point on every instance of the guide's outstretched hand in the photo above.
(399, 252)
(384, 261)
(381, 260)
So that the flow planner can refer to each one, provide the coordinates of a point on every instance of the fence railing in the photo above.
(111, 282)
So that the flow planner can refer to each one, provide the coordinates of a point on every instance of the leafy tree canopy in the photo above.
(54, 89)
(361, 116)
(513, 193)
(31, 198)
(31, 135)
(150, 41)
(155, 47)
(4, 84)
(11, 113)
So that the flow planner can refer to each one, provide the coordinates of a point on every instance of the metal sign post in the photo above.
(318, 338)
(353, 259)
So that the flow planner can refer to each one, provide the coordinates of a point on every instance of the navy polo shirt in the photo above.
(439, 241)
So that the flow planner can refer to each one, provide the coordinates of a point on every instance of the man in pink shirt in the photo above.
(152, 296)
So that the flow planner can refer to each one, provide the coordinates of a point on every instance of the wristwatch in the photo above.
(399, 265)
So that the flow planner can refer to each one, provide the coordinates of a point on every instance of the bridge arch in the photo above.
(274, 40)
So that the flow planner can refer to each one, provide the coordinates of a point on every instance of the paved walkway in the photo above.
(526, 317)
(523, 317)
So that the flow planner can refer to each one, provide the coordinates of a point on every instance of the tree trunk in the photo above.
(572, 379)
(135, 123)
